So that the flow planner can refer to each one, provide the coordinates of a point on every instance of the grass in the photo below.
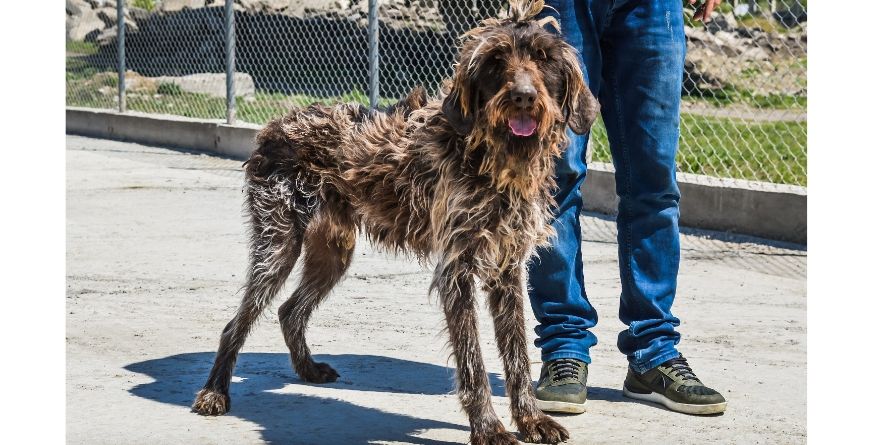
(720, 147)
(83, 48)
(148, 5)
(730, 96)
(732, 148)
(85, 91)
(762, 23)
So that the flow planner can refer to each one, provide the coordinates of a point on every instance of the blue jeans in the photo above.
(633, 53)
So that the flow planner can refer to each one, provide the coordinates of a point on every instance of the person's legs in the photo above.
(556, 280)
(633, 53)
(643, 50)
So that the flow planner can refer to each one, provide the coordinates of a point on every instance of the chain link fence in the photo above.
(744, 96)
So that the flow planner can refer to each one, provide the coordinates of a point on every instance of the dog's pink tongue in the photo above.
(522, 125)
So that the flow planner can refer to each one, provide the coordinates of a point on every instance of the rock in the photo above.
(107, 37)
(107, 91)
(748, 32)
(698, 35)
(138, 14)
(76, 7)
(756, 54)
(108, 15)
(138, 84)
(730, 44)
(86, 26)
(791, 17)
(265, 5)
(721, 22)
(212, 84)
(306, 8)
(102, 3)
(178, 5)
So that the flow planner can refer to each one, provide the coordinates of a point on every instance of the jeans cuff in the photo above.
(566, 354)
(653, 362)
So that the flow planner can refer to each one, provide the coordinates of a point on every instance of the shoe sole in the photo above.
(685, 408)
(561, 407)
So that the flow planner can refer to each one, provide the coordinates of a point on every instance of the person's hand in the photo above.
(703, 12)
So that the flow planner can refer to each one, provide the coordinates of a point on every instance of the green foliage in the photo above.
(730, 96)
(720, 147)
(732, 148)
(81, 48)
(762, 23)
(148, 5)
(169, 89)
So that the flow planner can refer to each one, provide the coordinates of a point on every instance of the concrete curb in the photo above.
(760, 209)
(213, 136)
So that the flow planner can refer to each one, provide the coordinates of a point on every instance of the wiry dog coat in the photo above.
(465, 181)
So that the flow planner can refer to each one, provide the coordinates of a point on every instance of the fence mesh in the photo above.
(744, 92)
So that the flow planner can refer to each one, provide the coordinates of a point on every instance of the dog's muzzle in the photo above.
(523, 96)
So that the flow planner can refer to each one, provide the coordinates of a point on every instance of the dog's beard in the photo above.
(520, 163)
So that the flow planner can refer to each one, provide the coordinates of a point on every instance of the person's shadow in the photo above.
(289, 418)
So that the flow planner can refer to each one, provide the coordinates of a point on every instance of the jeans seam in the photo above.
(626, 165)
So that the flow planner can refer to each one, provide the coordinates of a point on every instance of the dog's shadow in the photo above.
(287, 417)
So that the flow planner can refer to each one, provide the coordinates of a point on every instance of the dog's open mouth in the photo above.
(522, 125)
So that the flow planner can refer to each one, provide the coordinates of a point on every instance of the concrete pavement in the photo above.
(156, 255)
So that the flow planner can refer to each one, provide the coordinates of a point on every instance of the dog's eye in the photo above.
(540, 55)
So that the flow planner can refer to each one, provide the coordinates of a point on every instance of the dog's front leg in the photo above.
(454, 283)
(506, 293)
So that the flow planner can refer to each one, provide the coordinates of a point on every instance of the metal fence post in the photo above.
(121, 57)
(229, 61)
(373, 53)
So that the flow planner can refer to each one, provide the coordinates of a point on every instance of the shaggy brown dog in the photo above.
(466, 181)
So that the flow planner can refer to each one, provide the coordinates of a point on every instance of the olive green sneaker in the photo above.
(562, 386)
(674, 385)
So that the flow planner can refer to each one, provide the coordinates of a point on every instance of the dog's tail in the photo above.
(281, 175)
(416, 99)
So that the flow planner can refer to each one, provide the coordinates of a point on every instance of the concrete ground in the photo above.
(156, 255)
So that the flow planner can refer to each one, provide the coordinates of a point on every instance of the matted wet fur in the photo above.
(465, 180)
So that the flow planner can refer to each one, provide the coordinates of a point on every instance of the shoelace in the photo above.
(681, 368)
(565, 368)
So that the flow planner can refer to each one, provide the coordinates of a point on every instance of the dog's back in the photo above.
(354, 156)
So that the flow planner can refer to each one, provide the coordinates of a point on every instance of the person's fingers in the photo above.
(698, 12)
(709, 8)
(691, 2)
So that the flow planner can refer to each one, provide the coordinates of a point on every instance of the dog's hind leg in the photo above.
(279, 218)
(506, 294)
(329, 247)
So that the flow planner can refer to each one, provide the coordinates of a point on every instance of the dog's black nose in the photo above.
(523, 96)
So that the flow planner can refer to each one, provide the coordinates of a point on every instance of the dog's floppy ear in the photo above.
(458, 108)
(581, 107)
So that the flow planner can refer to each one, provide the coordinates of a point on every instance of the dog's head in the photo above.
(517, 81)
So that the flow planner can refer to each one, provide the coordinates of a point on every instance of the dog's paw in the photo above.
(496, 438)
(543, 429)
(211, 403)
(319, 373)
